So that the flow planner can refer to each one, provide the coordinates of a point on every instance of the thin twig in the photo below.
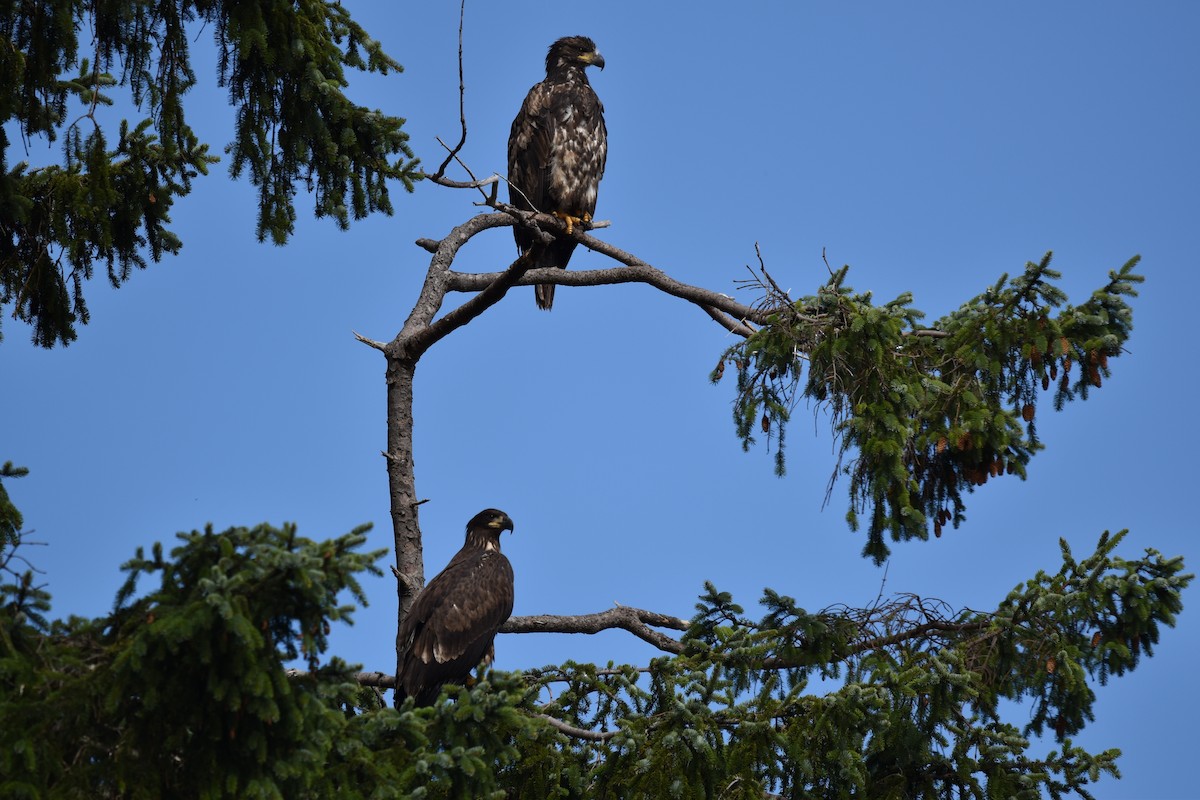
(462, 114)
(369, 342)
(475, 181)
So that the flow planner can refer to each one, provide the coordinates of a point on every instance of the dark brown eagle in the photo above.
(451, 626)
(556, 152)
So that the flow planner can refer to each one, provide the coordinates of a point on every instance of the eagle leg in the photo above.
(483, 667)
(570, 220)
(481, 673)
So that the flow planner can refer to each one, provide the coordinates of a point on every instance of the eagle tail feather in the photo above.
(543, 293)
(556, 254)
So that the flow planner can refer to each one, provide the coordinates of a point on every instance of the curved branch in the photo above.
(635, 620)
(633, 273)
(576, 733)
(734, 317)
(420, 332)
(738, 326)
(488, 297)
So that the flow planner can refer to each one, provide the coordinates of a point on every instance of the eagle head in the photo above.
(490, 519)
(483, 531)
(573, 51)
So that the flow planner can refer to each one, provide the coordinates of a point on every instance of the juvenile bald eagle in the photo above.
(556, 152)
(451, 626)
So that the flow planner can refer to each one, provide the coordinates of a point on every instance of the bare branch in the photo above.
(369, 342)
(488, 297)
(452, 184)
(635, 620)
(635, 271)
(576, 733)
(378, 680)
(462, 91)
(433, 292)
(740, 327)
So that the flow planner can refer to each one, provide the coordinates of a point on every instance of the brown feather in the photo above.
(452, 624)
(557, 150)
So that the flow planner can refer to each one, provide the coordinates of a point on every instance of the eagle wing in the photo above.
(453, 622)
(529, 147)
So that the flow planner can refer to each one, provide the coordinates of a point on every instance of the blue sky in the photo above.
(931, 147)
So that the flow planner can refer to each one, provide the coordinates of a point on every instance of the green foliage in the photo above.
(927, 414)
(900, 700)
(183, 692)
(10, 518)
(284, 64)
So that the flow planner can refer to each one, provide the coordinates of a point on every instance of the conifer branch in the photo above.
(376, 680)
(576, 733)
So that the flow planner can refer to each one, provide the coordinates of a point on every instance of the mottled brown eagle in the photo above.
(556, 152)
(452, 624)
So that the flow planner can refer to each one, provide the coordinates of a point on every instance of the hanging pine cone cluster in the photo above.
(943, 516)
(1094, 362)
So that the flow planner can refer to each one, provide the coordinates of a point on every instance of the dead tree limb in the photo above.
(731, 314)
(635, 620)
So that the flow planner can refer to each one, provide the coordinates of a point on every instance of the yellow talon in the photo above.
(571, 221)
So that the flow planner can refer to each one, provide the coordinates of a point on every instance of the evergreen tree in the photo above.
(184, 688)
(183, 691)
(108, 201)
